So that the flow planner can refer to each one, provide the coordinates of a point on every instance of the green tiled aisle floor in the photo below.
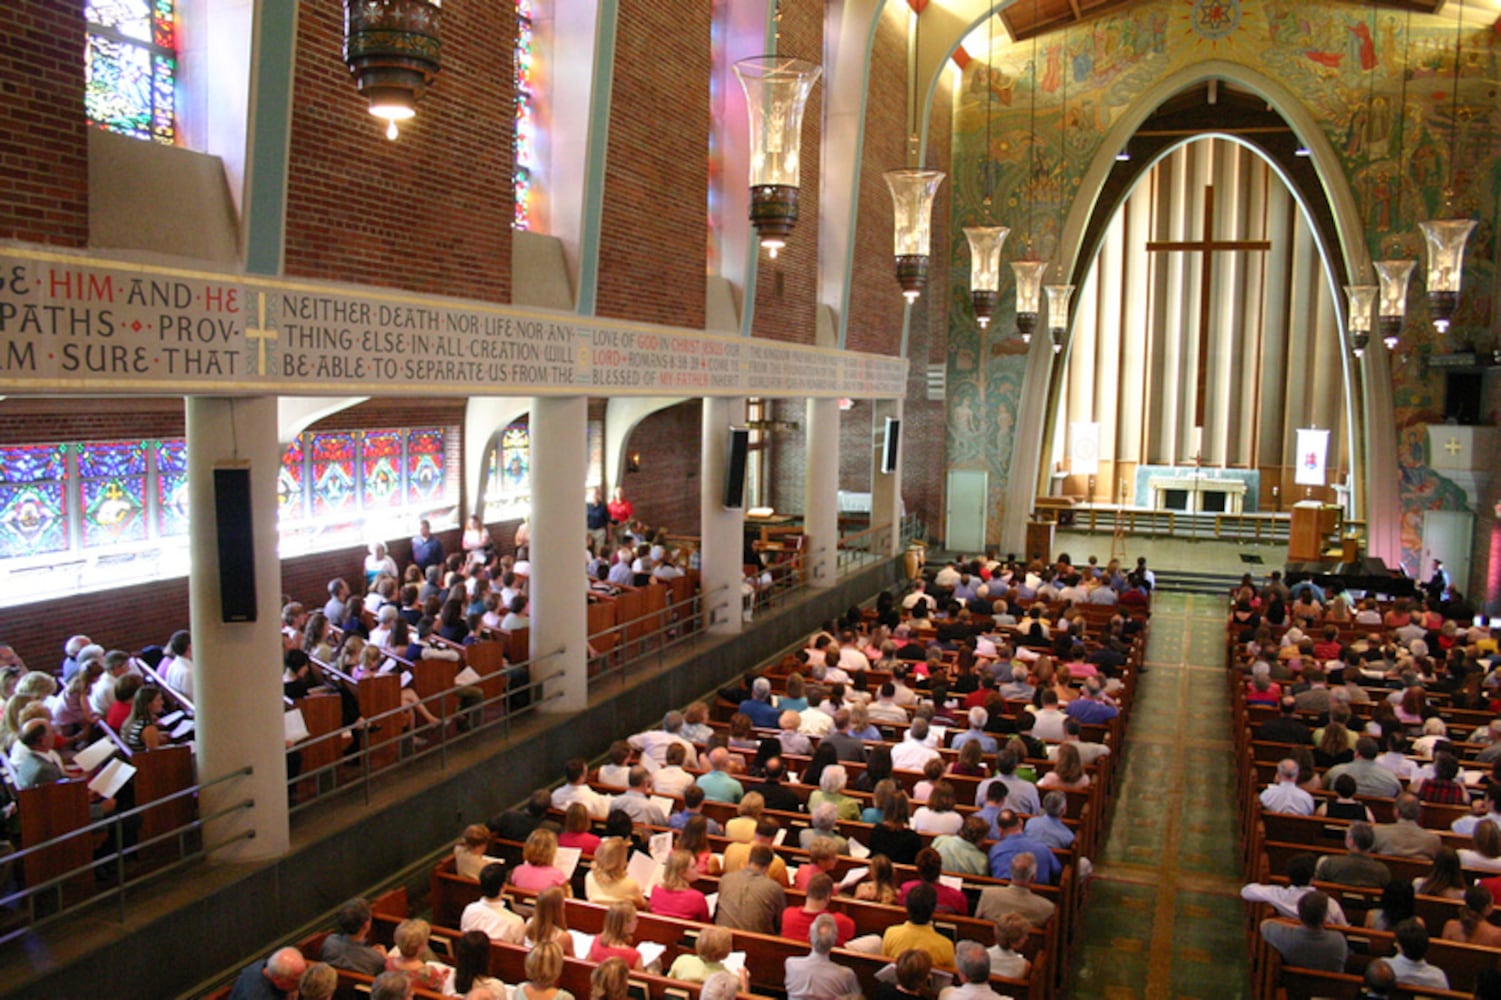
(1163, 917)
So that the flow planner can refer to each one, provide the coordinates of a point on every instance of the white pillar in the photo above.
(560, 617)
(886, 487)
(721, 528)
(821, 492)
(237, 666)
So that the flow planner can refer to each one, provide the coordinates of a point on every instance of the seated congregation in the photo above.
(905, 804)
(1367, 739)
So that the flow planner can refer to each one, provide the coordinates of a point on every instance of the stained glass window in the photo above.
(131, 67)
(33, 504)
(380, 466)
(333, 473)
(172, 488)
(425, 479)
(290, 495)
(508, 482)
(526, 115)
(112, 484)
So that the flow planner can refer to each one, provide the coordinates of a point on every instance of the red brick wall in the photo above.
(787, 287)
(430, 212)
(44, 162)
(875, 321)
(665, 492)
(654, 228)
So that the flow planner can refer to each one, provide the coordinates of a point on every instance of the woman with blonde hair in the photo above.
(549, 919)
(320, 981)
(469, 852)
(743, 827)
(412, 956)
(1068, 770)
(796, 699)
(675, 896)
(614, 941)
(607, 881)
(610, 980)
(1005, 958)
(1486, 854)
(537, 873)
(544, 965)
(713, 947)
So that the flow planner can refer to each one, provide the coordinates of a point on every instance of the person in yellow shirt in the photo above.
(918, 931)
(737, 855)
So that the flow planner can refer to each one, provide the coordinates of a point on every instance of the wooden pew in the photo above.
(323, 716)
(50, 811)
(160, 773)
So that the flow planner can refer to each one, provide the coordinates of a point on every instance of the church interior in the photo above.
(822, 289)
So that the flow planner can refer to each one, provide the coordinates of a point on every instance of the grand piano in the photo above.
(1369, 575)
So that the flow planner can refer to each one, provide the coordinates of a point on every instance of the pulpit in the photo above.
(1313, 524)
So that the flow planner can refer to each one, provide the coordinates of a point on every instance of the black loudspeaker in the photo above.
(734, 475)
(236, 545)
(889, 450)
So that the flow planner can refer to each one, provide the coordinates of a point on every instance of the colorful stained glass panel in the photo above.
(425, 480)
(33, 463)
(111, 458)
(290, 496)
(130, 68)
(333, 473)
(515, 460)
(33, 519)
(172, 488)
(380, 463)
(114, 510)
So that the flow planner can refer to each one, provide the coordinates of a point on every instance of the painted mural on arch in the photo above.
(1377, 80)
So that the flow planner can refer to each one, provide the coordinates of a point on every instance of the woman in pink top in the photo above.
(537, 872)
(674, 896)
(615, 940)
(576, 830)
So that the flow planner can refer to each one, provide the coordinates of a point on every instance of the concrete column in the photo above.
(237, 666)
(560, 618)
(722, 529)
(886, 487)
(821, 492)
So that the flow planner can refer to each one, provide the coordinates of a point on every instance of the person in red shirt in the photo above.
(798, 920)
(125, 694)
(620, 509)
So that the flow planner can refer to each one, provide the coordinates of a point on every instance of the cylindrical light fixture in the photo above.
(392, 48)
(912, 193)
(1446, 260)
(1058, 296)
(776, 90)
(1362, 300)
(985, 269)
(1029, 274)
(1391, 310)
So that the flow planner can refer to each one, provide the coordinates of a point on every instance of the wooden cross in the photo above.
(1208, 246)
(260, 334)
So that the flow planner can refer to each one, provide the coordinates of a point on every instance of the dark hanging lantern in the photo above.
(392, 48)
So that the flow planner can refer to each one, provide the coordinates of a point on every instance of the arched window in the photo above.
(526, 115)
(131, 68)
(508, 482)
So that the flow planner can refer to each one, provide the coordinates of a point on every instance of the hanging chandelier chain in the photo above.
(1031, 153)
(1459, 26)
(985, 170)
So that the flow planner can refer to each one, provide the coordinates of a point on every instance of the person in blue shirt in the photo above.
(978, 718)
(1013, 842)
(1048, 827)
(717, 783)
(1094, 708)
(427, 550)
(763, 714)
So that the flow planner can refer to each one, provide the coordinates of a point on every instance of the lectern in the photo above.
(1312, 524)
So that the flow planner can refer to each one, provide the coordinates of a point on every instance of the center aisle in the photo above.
(1163, 917)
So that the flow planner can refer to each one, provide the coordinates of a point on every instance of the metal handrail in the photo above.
(115, 824)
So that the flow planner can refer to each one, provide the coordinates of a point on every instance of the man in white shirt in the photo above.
(1465, 825)
(885, 710)
(1048, 721)
(117, 663)
(1284, 898)
(913, 752)
(179, 675)
(672, 779)
(490, 914)
(947, 578)
(902, 694)
(654, 743)
(1284, 796)
(576, 789)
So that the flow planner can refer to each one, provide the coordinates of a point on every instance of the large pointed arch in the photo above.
(1374, 416)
